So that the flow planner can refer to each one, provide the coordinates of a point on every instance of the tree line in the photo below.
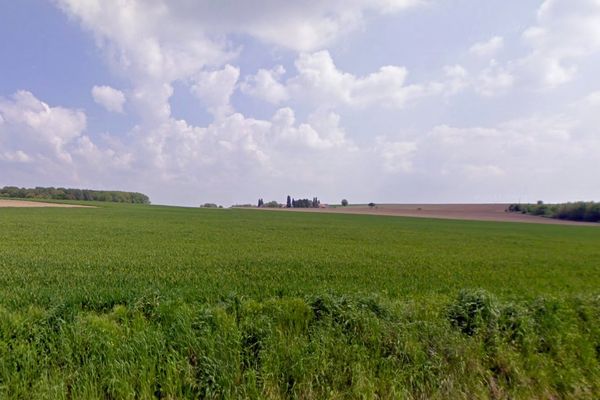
(303, 203)
(577, 211)
(291, 203)
(52, 193)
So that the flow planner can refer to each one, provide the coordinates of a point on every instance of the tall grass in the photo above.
(315, 347)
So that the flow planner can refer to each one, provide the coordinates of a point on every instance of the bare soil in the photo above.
(32, 204)
(475, 212)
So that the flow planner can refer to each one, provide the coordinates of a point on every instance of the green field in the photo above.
(135, 301)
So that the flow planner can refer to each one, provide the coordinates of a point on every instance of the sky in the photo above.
(390, 101)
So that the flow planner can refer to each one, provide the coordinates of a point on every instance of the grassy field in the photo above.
(140, 301)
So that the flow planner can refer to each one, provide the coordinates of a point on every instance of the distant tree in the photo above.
(272, 204)
(74, 194)
(260, 202)
(371, 205)
(289, 202)
(306, 203)
(344, 203)
(209, 205)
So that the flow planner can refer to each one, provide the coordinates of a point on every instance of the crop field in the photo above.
(137, 301)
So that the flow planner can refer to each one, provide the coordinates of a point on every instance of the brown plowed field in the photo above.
(476, 212)
(30, 204)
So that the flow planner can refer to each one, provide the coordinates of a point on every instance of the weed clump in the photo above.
(474, 311)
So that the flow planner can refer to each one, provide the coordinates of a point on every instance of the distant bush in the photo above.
(272, 204)
(209, 205)
(514, 208)
(344, 203)
(52, 193)
(577, 211)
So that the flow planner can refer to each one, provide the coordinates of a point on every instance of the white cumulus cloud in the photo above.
(319, 80)
(305, 141)
(216, 87)
(33, 129)
(42, 143)
(266, 85)
(109, 98)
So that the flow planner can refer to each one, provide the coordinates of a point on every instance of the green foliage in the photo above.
(578, 211)
(127, 301)
(473, 311)
(74, 194)
(314, 347)
(305, 203)
(272, 204)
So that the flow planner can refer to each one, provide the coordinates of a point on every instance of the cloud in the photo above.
(566, 32)
(153, 46)
(310, 25)
(177, 37)
(494, 80)
(109, 98)
(265, 85)
(146, 38)
(322, 130)
(457, 79)
(320, 81)
(509, 154)
(396, 156)
(304, 25)
(215, 88)
(42, 143)
(155, 43)
(31, 129)
(303, 143)
(487, 48)
(175, 160)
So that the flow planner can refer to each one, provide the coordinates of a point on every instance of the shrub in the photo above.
(578, 211)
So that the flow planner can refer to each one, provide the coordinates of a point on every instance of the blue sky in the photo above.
(378, 100)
